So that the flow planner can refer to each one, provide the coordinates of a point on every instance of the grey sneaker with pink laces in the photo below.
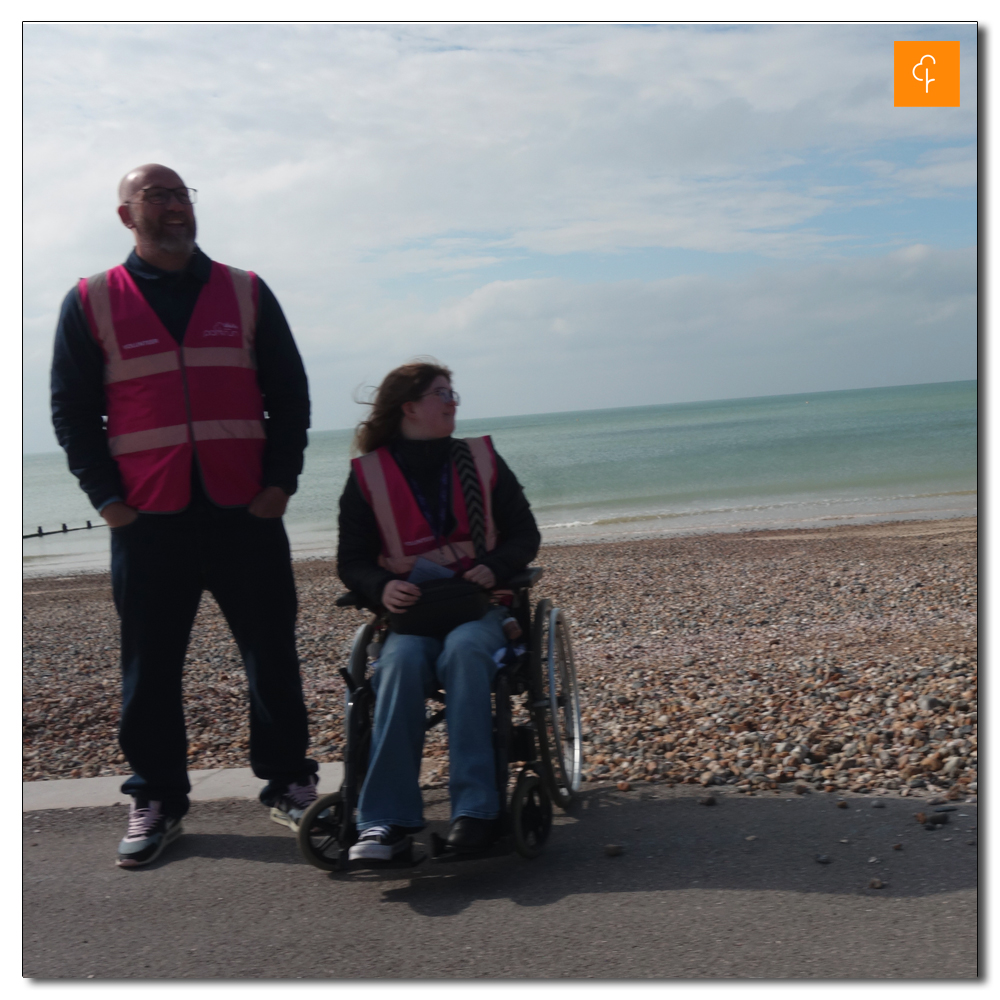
(289, 806)
(149, 832)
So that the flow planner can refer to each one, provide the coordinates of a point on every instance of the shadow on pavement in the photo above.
(741, 843)
(698, 891)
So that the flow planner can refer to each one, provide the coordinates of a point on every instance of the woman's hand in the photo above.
(482, 575)
(398, 595)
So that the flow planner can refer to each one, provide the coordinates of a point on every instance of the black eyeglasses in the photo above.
(161, 195)
(445, 395)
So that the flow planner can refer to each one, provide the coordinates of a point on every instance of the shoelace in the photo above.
(301, 795)
(373, 832)
(142, 819)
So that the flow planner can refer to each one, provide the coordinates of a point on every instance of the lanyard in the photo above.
(436, 524)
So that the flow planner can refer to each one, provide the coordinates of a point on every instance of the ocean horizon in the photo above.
(798, 460)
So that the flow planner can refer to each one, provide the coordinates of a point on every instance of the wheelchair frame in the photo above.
(548, 748)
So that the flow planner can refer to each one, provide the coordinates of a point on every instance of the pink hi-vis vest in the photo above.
(167, 402)
(404, 529)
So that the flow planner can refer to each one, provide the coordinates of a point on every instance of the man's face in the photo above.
(169, 227)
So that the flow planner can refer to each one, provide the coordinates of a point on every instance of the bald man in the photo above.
(206, 403)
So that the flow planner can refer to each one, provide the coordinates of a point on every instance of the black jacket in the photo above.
(360, 544)
(78, 404)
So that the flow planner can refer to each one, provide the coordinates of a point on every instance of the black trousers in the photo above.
(160, 565)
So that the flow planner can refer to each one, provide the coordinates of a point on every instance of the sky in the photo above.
(569, 216)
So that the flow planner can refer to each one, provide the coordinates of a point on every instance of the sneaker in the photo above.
(288, 808)
(149, 832)
(380, 843)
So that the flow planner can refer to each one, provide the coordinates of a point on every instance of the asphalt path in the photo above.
(726, 891)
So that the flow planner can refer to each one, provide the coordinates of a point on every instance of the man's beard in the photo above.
(170, 239)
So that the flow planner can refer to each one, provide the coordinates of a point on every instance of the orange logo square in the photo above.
(925, 74)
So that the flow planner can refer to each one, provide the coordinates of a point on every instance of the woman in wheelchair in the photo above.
(419, 506)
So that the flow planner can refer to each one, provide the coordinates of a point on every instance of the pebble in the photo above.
(876, 883)
(823, 859)
(843, 805)
(897, 847)
(613, 850)
(818, 642)
(707, 800)
(623, 786)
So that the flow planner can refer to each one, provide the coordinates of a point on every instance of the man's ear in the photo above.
(125, 214)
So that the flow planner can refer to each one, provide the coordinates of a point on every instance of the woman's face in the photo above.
(431, 416)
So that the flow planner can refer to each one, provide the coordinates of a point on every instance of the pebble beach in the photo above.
(831, 659)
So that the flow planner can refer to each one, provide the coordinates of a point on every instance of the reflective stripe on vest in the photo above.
(204, 430)
(201, 396)
(395, 507)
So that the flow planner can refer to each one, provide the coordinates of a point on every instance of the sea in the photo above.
(796, 461)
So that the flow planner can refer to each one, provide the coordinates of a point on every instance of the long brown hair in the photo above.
(404, 384)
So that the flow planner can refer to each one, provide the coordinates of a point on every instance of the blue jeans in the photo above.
(409, 669)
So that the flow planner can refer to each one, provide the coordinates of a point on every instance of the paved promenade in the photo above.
(727, 891)
(206, 786)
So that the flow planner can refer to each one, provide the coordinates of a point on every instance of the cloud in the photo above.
(364, 170)
(933, 174)
(549, 345)
(548, 138)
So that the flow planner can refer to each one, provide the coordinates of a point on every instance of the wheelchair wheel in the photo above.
(530, 815)
(556, 702)
(359, 658)
(321, 839)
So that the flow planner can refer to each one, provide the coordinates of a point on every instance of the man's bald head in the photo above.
(164, 227)
(148, 175)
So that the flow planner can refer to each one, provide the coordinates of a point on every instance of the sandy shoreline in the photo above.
(841, 657)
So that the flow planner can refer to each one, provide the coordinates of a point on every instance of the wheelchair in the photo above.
(536, 731)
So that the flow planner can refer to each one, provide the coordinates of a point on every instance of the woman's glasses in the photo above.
(445, 395)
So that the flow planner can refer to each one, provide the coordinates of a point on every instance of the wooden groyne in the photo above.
(40, 533)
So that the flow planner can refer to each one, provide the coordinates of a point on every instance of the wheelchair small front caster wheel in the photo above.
(530, 815)
(321, 832)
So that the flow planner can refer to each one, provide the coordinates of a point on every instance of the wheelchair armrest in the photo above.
(352, 599)
(526, 578)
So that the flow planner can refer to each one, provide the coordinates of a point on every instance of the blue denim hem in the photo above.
(473, 814)
(409, 827)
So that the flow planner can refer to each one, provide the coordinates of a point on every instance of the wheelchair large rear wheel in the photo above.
(530, 815)
(321, 838)
(556, 703)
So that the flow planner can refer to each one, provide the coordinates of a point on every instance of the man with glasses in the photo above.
(206, 403)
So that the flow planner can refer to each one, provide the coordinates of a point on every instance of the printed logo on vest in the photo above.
(140, 343)
(222, 329)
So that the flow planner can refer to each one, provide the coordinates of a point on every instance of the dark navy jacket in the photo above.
(360, 543)
(78, 405)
